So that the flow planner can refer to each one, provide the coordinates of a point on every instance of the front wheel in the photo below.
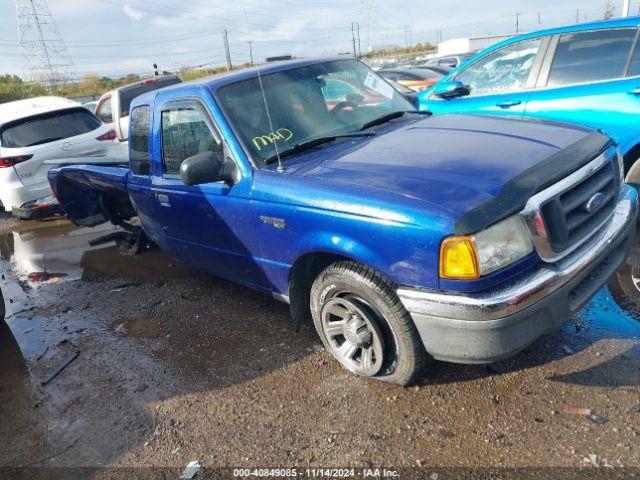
(624, 285)
(364, 325)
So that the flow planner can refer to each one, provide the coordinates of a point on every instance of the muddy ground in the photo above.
(169, 365)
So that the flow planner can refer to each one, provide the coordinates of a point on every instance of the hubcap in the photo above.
(353, 335)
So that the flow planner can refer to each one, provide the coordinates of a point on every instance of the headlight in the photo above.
(470, 256)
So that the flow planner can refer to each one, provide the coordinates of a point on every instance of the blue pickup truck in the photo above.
(403, 236)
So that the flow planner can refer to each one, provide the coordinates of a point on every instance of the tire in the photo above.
(624, 285)
(364, 325)
(133, 244)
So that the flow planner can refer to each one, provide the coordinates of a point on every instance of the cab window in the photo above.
(139, 140)
(505, 70)
(591, 56)
(186, 132)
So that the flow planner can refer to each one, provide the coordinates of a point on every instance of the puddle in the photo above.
(50, 253)
(53, 252)
(32, 335)
(142, 327)
(606, 319)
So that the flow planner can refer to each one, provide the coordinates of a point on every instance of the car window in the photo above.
(591, 56)
(139, 140)
(505, 70)
(103, 111)
(185, 133)
(49, 127)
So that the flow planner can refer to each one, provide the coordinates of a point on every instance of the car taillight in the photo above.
(110, 135)
(6, 162)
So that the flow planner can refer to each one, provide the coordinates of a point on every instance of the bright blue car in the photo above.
(400, 234)
(586, 74)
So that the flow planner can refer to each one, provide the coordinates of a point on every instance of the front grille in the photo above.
(565, 215)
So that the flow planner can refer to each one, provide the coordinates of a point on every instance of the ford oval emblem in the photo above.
(594, 203)
(66, 146)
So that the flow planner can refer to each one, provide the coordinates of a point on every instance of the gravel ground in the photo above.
(169, 365)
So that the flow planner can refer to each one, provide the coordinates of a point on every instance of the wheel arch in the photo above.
(632, 165)
(303, 273)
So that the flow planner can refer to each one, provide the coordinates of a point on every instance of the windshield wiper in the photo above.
(390, 116)
(312, 142)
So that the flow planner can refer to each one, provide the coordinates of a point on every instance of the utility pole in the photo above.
(250, 42)
(225, 38)
(625, 8)
(353, 39)
(358, 33)
(406, 37)
(517, 23)
(47, 59)
(578, 15)
(539, 19)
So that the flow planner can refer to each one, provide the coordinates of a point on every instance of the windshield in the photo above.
(331, 98)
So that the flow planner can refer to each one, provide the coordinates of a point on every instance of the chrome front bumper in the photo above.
(486, 326)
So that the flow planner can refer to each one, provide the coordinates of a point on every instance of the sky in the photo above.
(115, 37)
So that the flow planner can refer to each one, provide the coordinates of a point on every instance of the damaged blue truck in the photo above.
(402, 236)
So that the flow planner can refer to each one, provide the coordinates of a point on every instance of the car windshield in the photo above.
(332, 98)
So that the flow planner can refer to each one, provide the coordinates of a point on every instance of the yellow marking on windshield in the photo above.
(281, 134)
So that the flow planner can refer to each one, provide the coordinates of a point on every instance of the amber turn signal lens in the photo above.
(458, 259)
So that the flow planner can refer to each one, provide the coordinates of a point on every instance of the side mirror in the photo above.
(451, 89)
(201, 168)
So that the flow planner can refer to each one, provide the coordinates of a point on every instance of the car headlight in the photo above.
(470, 256)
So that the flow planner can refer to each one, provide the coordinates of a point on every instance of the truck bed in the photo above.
(92, 194)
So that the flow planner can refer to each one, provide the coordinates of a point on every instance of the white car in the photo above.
(38, 133)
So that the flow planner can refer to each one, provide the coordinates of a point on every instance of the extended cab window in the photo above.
(505, 70)
(48, 127)
(103, 111)
(591, 56)
(139, 140)
(185, 133)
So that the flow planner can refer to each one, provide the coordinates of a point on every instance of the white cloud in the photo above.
(132, 13)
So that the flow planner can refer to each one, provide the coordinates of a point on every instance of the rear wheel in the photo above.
(364, 325)
(133, 243)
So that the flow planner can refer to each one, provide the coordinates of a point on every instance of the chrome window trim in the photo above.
(531, 214)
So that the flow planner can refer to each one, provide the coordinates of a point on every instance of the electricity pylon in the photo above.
(47, 59)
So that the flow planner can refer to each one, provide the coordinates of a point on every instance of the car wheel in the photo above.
(624, 285)
(133, 244)
(364, 325)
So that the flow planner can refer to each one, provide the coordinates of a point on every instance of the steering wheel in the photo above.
(341, 106)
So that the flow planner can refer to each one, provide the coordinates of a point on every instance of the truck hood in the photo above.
(453, 161)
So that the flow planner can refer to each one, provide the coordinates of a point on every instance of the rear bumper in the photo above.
(489, 326)
(13, 194)
(31, 213)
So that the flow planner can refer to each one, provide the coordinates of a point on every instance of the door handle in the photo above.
(163, 199)
(508, 103)
(635, 92)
